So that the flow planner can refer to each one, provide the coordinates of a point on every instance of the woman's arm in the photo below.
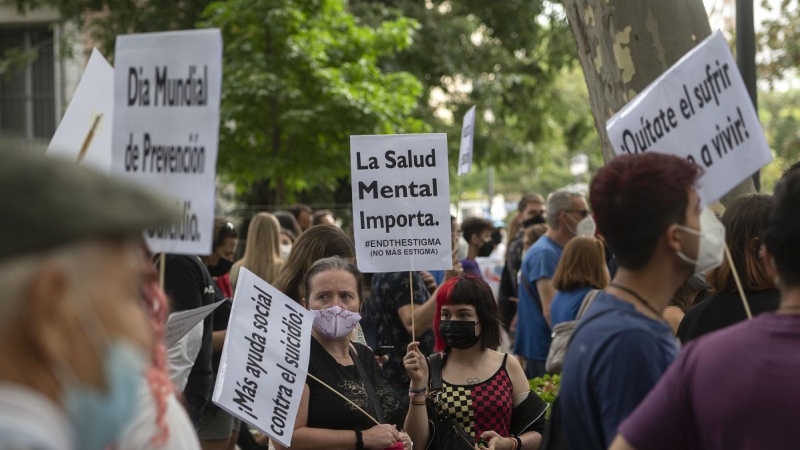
(520, 390)
(416, 425)
(375, 438)
(218, 340)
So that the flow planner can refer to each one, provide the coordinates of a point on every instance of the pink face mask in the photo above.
(335, 322)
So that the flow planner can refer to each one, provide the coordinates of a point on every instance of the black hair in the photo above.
(474, 225)
(780, 234)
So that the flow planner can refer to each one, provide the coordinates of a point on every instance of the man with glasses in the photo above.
(565, 209)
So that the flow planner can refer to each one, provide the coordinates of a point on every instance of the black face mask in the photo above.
(486, 249)
(535, 220)
(223, 266)
(458, 334)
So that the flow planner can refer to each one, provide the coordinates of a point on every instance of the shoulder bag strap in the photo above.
(587, 302)
(373, 397)
(435, 371)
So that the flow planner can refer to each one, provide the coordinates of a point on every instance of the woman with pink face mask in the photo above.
(332, 291)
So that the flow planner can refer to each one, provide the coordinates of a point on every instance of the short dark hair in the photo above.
(223, 229)
(318, 215)
(528, 199)
(474, 225)
(298, 209)
(470, 289)
(780, 234)
(636, 197)
(792, 169)
(744, 219)
(288, 222)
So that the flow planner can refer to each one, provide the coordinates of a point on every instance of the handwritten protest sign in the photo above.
(264, 361)
(181, 322)
(700, 110)
(401, 202)
(166, 127)
(84, 134)
(467, 138)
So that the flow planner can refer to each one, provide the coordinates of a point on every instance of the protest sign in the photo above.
(699, 109)
(84, 134)
(467, 138)
(401, 202)
(181, 322)
(264, 363)
(166, 127)
(491, 268)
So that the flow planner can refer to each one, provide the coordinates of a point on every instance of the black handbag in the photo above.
(446, 433)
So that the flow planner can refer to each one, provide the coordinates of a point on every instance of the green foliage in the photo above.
(300, 77)
(546, 387)
(15, 60)
(779, 113)
(779, 40)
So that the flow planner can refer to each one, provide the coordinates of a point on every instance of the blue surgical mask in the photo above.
(99, 417)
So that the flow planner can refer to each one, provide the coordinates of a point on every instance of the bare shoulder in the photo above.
(517, 375)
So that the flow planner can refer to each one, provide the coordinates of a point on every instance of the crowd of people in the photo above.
(625, 292)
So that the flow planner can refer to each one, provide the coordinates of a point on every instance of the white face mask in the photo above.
(285, 249)
(711, 247)
(586, 227)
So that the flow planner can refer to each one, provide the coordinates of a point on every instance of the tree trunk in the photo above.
(624, 45)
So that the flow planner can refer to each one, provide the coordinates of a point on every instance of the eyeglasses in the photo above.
(583, 212)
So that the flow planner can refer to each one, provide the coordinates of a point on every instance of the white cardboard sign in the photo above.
(166, 127)
(181, 322)
(401, 202)
(264, 363)
(84, 134)
(467, 138)
(699, 109)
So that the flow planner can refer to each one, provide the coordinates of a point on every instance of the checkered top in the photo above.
(481, 407)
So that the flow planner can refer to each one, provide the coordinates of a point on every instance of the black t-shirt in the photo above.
(222, 315)
(724, 309)
(189, 285)
(327, 410)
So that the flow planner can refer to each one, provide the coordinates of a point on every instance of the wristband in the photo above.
(519, 442)
(359, 440)
(420, 391)
(418, 403)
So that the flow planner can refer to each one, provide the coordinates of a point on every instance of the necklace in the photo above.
(337, 356)
(637, 296)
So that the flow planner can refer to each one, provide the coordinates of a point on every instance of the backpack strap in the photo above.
(587, 302)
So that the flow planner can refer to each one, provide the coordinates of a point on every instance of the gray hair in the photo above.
(78, 260)
(559, 201)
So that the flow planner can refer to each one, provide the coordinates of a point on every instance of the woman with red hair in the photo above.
(483, 392)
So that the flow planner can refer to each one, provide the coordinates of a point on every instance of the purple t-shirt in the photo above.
(735, 388)
(470, 266)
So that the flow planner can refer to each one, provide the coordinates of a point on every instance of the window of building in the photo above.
(28, 94)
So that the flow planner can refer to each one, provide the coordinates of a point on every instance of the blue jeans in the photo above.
(534, 368)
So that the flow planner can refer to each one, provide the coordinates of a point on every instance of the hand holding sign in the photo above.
(700, 110)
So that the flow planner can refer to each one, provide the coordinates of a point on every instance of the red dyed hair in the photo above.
(469, 289)
(158, 379)
(636, 197)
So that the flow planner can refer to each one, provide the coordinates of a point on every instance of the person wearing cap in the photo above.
(74, 333)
